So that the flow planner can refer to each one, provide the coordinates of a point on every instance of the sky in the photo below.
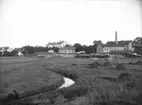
(37, 22)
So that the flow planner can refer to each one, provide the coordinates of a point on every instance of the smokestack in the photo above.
(116, 37)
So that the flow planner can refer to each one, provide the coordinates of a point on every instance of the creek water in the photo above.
(68, 82)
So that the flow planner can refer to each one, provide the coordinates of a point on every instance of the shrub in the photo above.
(107, 64)
(94, 65)
(109, 95)
(139, 62)
(128, 79)
(74, 64)
(125, 76)
(120, 67)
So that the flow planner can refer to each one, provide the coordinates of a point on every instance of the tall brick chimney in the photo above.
(116, 37)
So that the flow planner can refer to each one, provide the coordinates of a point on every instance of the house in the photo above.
(58, 44)
(51, 51)
(99, 49)
(118, 45)
(19, 53)
(114, 47)
(67, 50)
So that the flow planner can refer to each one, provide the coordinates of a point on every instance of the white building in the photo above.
(19, 53)
(118, 45)
(57, 44)
(67, 50)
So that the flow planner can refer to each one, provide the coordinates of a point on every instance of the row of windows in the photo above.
(67, 51)
(114, 48)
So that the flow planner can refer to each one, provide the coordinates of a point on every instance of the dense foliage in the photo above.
(26, 50)
(137, 44)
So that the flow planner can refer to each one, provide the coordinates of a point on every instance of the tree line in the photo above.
(137, 44)
(26, 50)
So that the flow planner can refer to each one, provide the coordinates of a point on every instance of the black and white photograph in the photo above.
(70, 52)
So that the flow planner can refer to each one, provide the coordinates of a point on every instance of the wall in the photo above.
(108, 49)
(66, 51)
(99, 49)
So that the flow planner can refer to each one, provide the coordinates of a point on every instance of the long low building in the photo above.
(121, 46)
(115, 46)
(67, 50)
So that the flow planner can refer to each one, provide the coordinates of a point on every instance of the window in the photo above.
(114, 48)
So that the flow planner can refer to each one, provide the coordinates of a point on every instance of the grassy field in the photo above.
(94, 85)
(26, 75)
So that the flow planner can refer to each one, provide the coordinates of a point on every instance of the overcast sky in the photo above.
(37, 22)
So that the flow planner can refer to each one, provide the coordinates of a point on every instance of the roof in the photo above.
(54, 43)
(120, 42)
(113, 45)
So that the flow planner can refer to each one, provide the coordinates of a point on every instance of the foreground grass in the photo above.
(98, 90)
(93, 86)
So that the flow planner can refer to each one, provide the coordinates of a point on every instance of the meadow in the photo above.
(96, 83)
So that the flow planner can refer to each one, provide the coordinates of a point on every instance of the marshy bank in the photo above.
(100, 85)
(97, 85)
(79, 88)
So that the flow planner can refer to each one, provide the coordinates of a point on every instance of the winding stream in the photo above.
(68, 82)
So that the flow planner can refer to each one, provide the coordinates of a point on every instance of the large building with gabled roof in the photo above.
(117, 45)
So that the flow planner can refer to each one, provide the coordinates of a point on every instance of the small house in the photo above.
(67, 50)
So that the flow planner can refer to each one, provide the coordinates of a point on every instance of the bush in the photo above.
(128, 79)
(107, 64)
(74, 64)
(125, 76)
(75, 91)
(94, 65)
(139, 62)
(0, 53)
(121, 67)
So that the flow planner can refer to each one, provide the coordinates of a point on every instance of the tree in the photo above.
(90, 49)
(28, 49)
(84, 48)
(41, 49)
(78, 47)
(137, 44)
(14, 52)
(55, 49)
(95, 42)
(138, 49)
(137, 41)
(0, 53)
(6, 48)
(67, 45)
(6, 53)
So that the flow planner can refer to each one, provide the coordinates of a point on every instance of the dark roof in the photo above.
(113, 45)
(120, 42)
